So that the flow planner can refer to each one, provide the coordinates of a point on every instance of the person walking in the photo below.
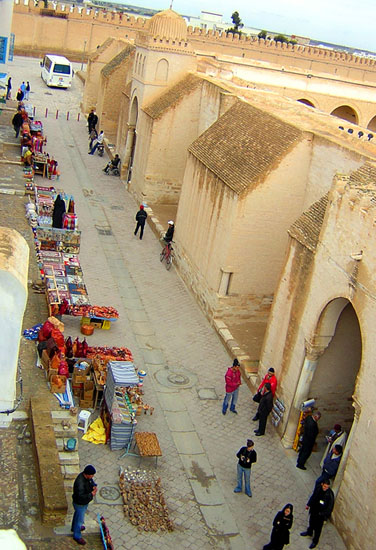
(264, 409)
(311, 430)
(9, 88)
(330, 465)
(17, 121)
(281, 529)
(320, 506)
(140, 219)
(98, 141)
(233, 381)
(84, 490)
(247, 456)
(27, 90)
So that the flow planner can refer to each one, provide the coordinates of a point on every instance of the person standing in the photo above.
(330, 465)
(23, 87)
(92, 136)
(84, 490)
(9, 88)
(320, 506)
(337, 436)
(233, 381)
(271, 378)
(20, 95)
(281, 529)
(58, 212)
(247, 456)
(264, 409)
(311, 430)
(92, 120)
(98, 141)
(141, 220)
(27, 90)
(17, 121)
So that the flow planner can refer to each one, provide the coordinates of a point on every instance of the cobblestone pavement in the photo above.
(185, 363)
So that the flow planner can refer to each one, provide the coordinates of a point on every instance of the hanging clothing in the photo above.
(58, 212)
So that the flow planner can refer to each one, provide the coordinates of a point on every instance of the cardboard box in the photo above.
(88, 390)
(45, 360)
(86, 403)
(81, 375)
(77, 389)
(51, 372)
(55, 388)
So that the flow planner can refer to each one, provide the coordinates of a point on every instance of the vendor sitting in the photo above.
(28, 157)
(114, 163)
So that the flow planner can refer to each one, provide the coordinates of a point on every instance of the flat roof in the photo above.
(59, 58)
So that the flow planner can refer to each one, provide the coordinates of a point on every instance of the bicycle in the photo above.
(167, 254)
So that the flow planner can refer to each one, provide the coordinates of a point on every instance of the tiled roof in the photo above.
(306, 229)
(172, 96)
(365, 175)
(241, 145)
(117, 60)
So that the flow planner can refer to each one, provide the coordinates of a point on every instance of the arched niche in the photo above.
(372, 124)
(161, 71)
(306, 102)
(345, 112)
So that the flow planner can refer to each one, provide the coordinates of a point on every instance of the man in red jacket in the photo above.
(233, 381)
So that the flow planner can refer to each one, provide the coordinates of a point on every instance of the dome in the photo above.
(168, 24)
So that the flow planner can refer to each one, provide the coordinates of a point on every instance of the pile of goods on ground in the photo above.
(144, 502)
(100, 312)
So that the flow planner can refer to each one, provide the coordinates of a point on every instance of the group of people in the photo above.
(23, 91)
(321, 502)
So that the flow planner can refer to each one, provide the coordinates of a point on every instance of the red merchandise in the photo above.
(59, 338)
(45, 331)
(63, 368)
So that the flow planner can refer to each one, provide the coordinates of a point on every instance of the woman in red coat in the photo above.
(233, 381)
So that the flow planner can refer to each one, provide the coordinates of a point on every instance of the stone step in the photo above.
(60, 432)
(67, 458)
(70, 472)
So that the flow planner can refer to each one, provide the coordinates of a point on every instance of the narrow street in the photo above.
(185, 362)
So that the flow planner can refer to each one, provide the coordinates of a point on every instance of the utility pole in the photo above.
(83, 56)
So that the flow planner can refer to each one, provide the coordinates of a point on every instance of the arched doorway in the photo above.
(328, 375)
(130, 141)
(306, 102)
(346, 112)
(333, 382)
(372, 124)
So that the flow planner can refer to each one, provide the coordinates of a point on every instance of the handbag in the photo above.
(257, 397)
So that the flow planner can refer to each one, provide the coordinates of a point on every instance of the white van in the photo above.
(57, 71)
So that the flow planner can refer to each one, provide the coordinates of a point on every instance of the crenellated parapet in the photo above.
(250, 47)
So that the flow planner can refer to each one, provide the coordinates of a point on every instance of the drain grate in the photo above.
(104, 230)
(116, 207)
(175, 378)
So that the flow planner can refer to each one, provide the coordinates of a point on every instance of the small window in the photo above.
(47, 63)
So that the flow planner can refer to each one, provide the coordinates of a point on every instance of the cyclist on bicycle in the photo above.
(170, 232)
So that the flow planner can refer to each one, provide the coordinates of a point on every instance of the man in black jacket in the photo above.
(84, 490)
(140, 219)
(320, 506)
(17, 122)
(311, 430)
(264, 409)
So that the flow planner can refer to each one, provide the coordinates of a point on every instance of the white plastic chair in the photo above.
(84, 416)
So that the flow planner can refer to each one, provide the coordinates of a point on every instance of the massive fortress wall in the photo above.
(67, 28)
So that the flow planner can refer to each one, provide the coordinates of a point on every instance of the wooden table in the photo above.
(148, 445)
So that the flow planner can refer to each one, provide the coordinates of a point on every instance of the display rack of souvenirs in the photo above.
(110, 353)
(62, 240)
(117, 403)
(98, 312)
(44, 200)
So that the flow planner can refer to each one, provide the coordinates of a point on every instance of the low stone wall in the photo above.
(53, 502)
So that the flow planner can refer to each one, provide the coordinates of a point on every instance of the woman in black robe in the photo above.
(281, 529)
(58, 212)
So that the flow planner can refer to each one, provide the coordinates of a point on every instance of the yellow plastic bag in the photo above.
(96, 433)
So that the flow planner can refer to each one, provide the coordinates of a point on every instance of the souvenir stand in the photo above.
(118, 414)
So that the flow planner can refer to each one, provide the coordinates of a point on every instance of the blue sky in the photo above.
(343, 22)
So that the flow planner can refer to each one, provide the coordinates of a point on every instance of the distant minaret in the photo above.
(172, 1)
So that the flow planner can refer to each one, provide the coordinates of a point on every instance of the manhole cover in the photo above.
(117, 207)
(109, 493)
(178, 379)
(175, 378)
